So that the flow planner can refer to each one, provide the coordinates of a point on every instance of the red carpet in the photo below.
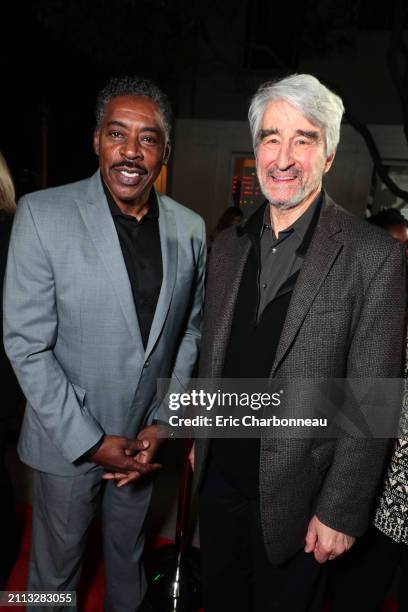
(93, 580)
(92, 584)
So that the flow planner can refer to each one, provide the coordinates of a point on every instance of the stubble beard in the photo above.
(286, 204)
(296, 199)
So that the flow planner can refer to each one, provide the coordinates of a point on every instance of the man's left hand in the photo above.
(145, 456)
(326, 543)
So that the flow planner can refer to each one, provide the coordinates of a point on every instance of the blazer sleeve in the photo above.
(30, 335)
(347, 496)
(187, 354)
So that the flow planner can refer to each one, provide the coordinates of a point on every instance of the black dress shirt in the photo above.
(140, 244)
(259, 317)
(279, 257)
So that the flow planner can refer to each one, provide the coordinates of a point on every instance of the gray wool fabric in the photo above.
(345, 320)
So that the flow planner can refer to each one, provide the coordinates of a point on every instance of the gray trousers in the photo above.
(63, 509)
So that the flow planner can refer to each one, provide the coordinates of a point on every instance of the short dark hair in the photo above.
(388, 217)
(134, 86)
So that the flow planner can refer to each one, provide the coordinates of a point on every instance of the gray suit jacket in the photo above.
(70, 325)
(345, 319)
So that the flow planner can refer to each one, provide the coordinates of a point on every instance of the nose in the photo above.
(284, 157)
(131, 149)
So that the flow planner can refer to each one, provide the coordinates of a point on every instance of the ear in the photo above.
(96, 141)
(166, 154)
(329, 161)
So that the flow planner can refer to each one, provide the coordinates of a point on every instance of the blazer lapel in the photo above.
(169, 249)
(231, 281)
(95, 212)
(322, 252)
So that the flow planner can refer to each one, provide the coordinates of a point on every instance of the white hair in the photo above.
(314, 100)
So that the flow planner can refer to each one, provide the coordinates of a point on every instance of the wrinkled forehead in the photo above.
(280, 114)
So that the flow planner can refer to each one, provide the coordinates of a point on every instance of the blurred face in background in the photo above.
(400, 233)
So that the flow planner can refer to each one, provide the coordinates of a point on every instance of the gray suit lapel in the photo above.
(169, 249)
(97, 217)
(320, 257)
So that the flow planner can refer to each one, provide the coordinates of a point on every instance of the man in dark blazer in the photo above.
(304, 290)
(103, 296)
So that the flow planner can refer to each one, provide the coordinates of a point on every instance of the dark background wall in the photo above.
(210, 56)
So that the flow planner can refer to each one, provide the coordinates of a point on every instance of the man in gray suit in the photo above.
(304, 291)
(103, 296)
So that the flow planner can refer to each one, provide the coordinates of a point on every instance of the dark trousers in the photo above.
(237, 574)
(360, 581)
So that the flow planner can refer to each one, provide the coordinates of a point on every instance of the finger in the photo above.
(125, 481)
(114, 475)
(134, 446)
(320, 555)
(131, 464)
(143, 468)
(310, 541)
(143, 457)
(339, 550)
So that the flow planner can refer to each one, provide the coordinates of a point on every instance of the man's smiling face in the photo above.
(291, 156)
(131, 145)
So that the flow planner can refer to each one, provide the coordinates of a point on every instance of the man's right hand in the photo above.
(116, 455)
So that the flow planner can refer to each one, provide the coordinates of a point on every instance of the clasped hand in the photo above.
(126, 460)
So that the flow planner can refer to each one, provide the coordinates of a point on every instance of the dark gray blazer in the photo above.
(345, 319)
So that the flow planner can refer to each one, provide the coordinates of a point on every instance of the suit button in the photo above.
(147, 363)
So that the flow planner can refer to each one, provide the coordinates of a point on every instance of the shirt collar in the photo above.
(301, 225)
(152, 213)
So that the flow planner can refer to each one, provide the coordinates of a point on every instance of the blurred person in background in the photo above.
(361, 581)
(9, 387)
(394, 223)
(231, 216)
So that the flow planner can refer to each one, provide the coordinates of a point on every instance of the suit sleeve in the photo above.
(187, 354)
(30, 335)
(348, 493)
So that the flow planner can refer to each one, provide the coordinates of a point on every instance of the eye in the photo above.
(149, 139)
(271, 141)
(115, 134)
